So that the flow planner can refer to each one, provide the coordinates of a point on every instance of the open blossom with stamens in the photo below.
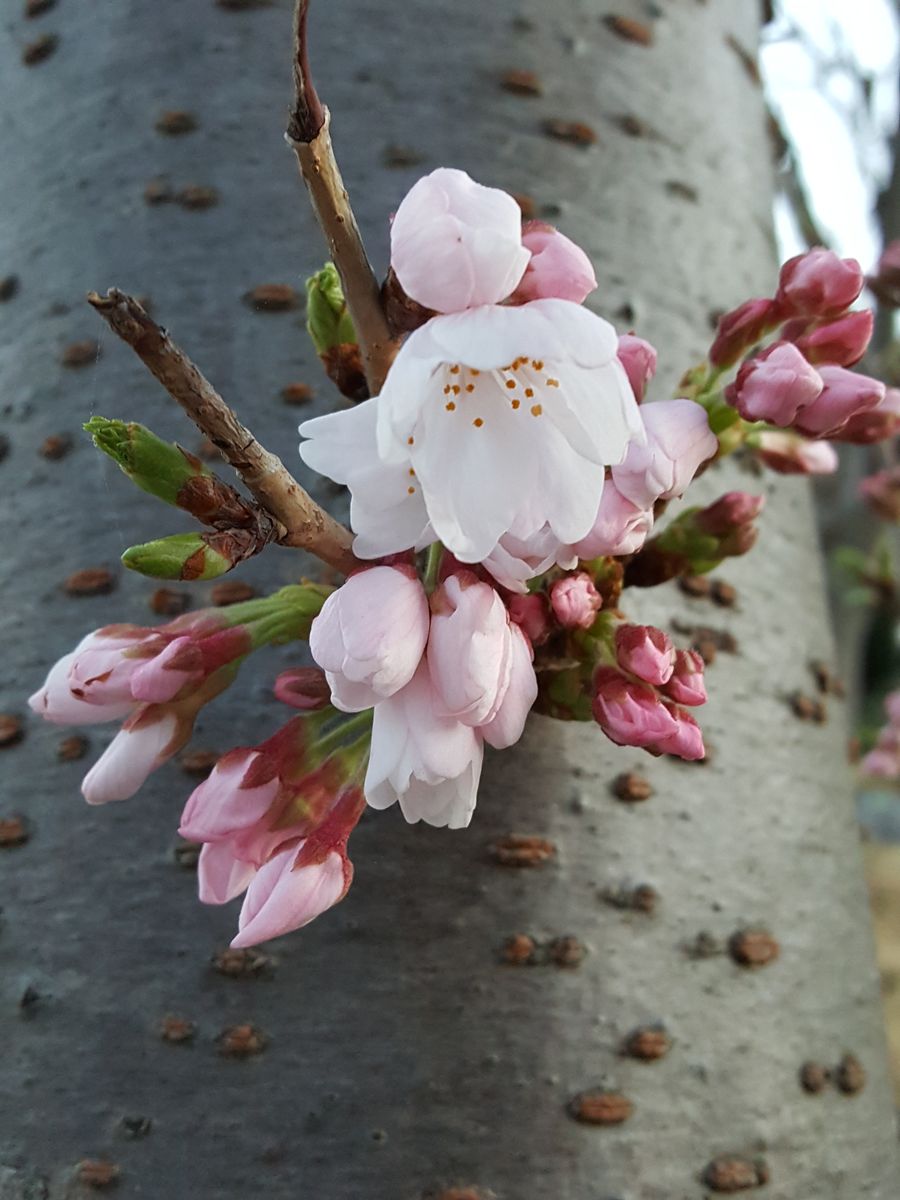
(493, 421)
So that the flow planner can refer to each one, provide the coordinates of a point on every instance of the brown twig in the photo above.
(308, 134)
(301, 521)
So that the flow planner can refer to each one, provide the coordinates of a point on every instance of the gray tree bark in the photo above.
(404, 1057)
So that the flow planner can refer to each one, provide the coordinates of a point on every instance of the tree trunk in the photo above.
(404, 1056)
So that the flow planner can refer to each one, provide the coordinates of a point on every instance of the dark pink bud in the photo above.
(775, 385)
(739, 331)
(639, 360)
(729, 513)
(818, 284)
(882, 493)
(645, 651)
(575, 601)
(846, 394)
(687, 685)
(630, 713)
(531, 614)
(839, 343)
(305, 688)
(876, 425)
(687, 740)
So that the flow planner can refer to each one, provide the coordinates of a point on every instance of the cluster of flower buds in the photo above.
(156, 680)
(274, 821)
(800, 382)
(883, 760)
(640, 700)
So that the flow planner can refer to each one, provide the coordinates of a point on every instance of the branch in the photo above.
(308, 134)
(301, 522)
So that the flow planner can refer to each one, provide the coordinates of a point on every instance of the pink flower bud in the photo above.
(620, 528)
(679, 439)
(876, 425)
(55, 702)
(639, 360)
(775, 385)
(740, 330)
(645, 651)
(687, 684)
(506, 727)
(881, 764)
(230, 800)
(143, 743)
(305, 688)
(103, 665)
(882, 493)
(575, 601)
(469, 649)
(846, 394)
(686, 741)
(456, 244)
(839, 343)
(530, 613)
(630, 713)
(790, 454)
(557, 269)
(285, 895)
(221, 876)
(370, 636)
(818, 284)
(729, 513)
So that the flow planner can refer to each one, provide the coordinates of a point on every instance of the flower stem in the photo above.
(329, 741)
(433, 566)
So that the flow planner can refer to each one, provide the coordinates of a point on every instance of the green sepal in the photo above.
(327, 318)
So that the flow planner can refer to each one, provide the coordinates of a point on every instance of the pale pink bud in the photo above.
(370, 636)
(575, 601)
(876, 425)
(639, 360)
(224, 804)
(284, 895)
(790, 454)
(221, 876)
(840, 343)
(507, 725)
(469, 649)
(143, 743)
(818, 284)
(456, 244)
(687, 684)
(620, 527)
(679, 440)
(882, 493)
(305, 688)
(645, 651)
(55, 702)
(846, 394)
(729, 512)
(558, 268)
(739, 331)
(104, 663)
(530, 613)
(630, 713)
(162, 677)
(775, 385)
(687, 739)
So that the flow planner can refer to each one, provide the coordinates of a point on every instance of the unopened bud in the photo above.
(158, 467)
(181, 556)
(729, 512)
(775, 385)
(639, 360)
(687, 685)
(327, 318)
(575, 601)
(818, 284)
(530, 613)
(305, 688)
(876, 425)
(740, 330)
(839, 343)
(882, 493)
(790, 454)
(646, 652)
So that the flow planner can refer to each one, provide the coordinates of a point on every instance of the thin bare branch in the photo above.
(301, 522)
(308, 134)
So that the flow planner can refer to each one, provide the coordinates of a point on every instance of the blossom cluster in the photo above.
(506, 483)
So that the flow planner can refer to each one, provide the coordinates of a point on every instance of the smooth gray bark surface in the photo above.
(403, 1058)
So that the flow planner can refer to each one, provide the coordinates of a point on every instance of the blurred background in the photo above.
(830, 70)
